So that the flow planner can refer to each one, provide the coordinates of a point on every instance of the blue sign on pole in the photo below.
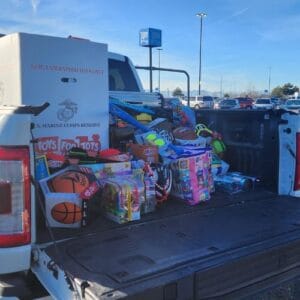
(150, 37)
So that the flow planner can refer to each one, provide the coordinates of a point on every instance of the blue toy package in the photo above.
(182, 115)
(219, 167)
(234, 182)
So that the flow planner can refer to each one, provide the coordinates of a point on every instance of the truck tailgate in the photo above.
(130, 258)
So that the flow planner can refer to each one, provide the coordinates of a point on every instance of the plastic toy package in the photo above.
(143, 172)
(192, 178)
(122, 198)
(235, 182)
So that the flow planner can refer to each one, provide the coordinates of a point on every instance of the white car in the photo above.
(200, 102)
(292, 104)
(263, 103)
(194, 102)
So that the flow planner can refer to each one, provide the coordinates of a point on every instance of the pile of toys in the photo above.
(154, 158)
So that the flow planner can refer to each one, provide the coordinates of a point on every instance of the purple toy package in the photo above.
(192, 178)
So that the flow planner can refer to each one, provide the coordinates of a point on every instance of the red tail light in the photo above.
(14, 196)
(297, 171)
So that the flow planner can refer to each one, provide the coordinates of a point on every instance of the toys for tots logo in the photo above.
(62, 146)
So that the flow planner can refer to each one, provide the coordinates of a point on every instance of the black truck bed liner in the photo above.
(183, 243)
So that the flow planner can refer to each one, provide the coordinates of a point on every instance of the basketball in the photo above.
(184, 133)
(69, 182)
(66, 213)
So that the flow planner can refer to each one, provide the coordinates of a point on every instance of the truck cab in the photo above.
(125, 84)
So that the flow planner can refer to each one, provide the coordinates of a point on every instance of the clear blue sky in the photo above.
(241, 38)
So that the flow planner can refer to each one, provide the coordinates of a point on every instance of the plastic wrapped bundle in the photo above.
(122, 198)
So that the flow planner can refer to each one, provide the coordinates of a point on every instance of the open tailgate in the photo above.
(132, 259)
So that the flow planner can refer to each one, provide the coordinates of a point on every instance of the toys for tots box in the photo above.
(70, 74)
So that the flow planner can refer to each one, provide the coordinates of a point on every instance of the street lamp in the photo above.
(201, 15)
(270, 69)
(159, 49)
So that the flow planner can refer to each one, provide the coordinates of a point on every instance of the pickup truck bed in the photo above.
(229, 247)
(214, 249)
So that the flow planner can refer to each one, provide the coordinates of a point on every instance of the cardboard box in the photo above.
(109, 170)
(147, 153)
(70, 74)
(64, 209)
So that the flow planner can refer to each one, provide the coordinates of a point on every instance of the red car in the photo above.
(245, 102)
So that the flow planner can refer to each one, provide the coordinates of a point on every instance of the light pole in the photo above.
(159, 49)
(221, 87)
(270, 69)
(201, 15)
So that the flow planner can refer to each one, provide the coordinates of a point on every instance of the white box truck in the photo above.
(72, 75)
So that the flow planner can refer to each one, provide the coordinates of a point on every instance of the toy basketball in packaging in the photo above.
(192, 178)
(65, 206)
(63, 210)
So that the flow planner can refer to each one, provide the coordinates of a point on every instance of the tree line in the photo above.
(285, 90)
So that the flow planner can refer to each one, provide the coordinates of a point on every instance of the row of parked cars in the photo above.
(244, 103)
(260, 103)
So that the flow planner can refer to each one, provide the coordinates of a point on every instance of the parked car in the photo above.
(263, 103)
(217, 103)
(230, 104)
(276, 102)
(245, 102)
(204, 102)
(292, 105)
(200, 102)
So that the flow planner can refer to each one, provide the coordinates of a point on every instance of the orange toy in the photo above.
(69, 182)
(66, 213)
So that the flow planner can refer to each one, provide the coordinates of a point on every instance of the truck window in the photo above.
(121, 77)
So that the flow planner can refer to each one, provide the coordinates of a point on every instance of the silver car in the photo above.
(263, 103)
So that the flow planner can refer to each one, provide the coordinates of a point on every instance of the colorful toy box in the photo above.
(144, 173)
(107, 170)
(122, 198)
(192, 178)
